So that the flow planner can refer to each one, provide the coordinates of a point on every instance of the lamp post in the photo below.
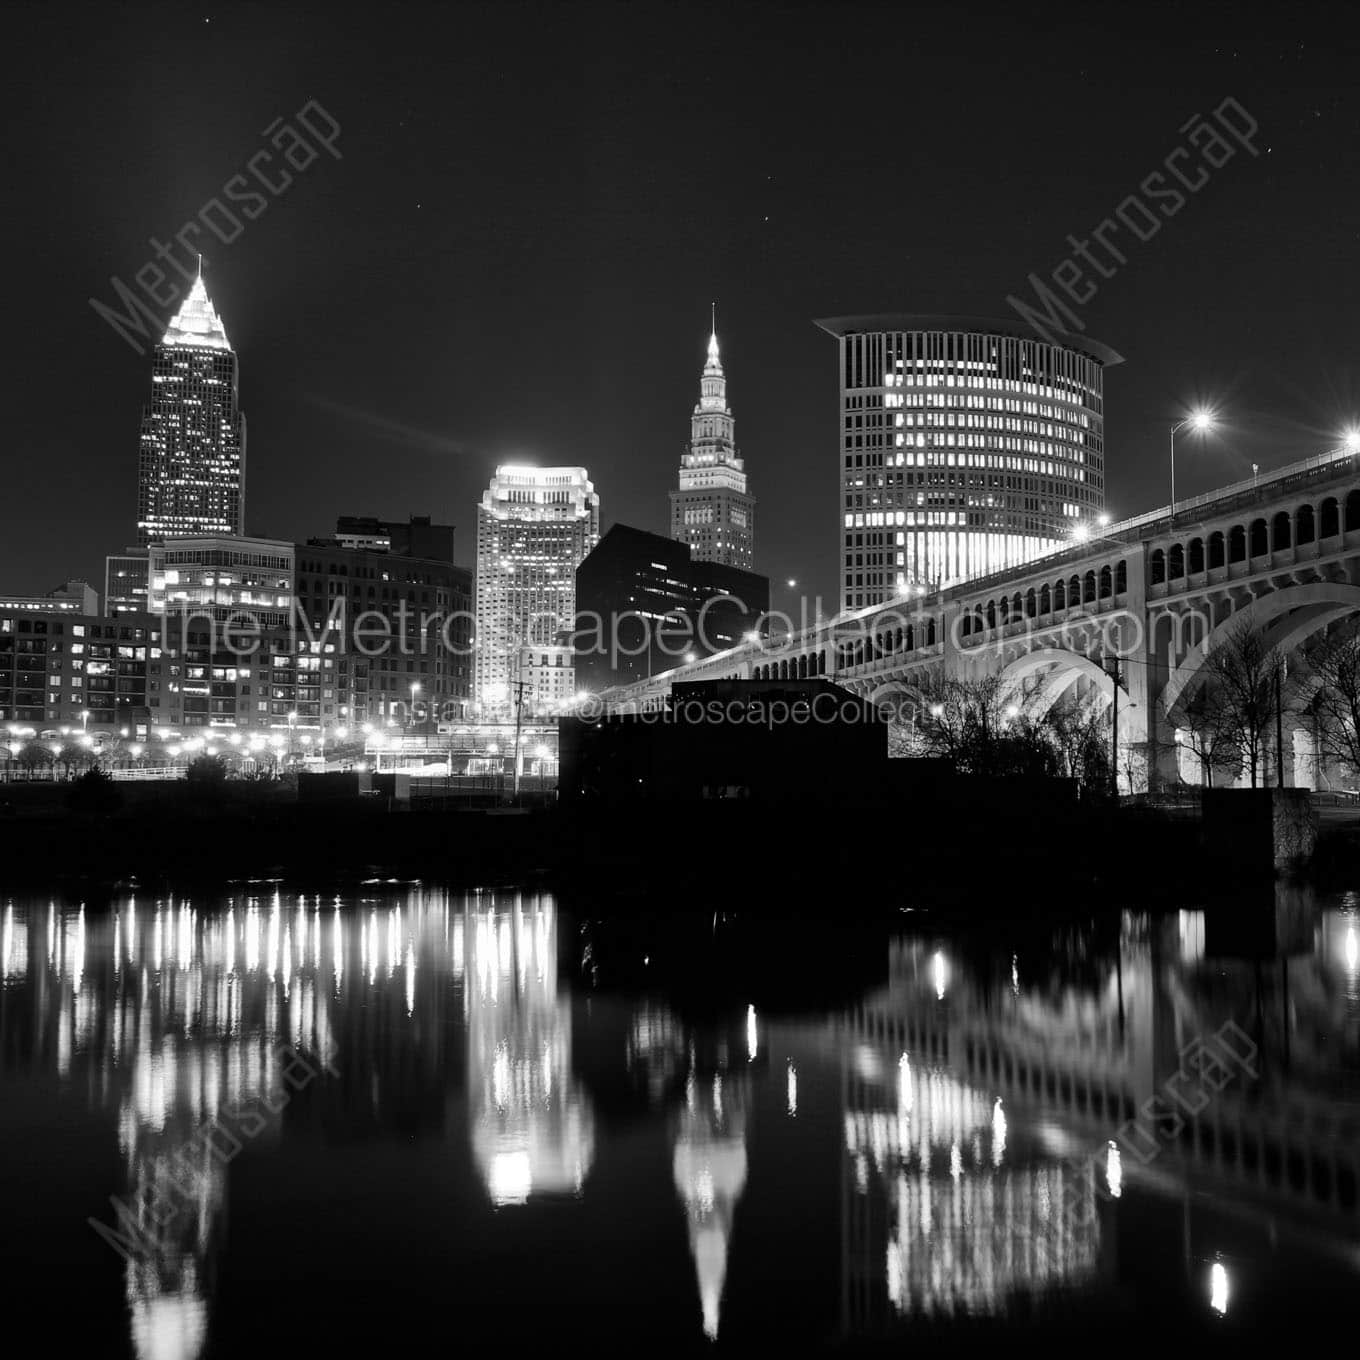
(1200, 421)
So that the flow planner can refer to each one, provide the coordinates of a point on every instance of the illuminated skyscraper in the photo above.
(534, 526)
(192, 465)
(712, 510)
(966, 446)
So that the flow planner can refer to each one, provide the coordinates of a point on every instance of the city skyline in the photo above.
(382, 346)
(879, 873)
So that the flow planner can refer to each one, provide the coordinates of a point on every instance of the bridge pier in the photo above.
(1305, 759)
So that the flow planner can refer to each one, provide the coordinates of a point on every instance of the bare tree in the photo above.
(34, 757)
(977, 726)
(1209, 737)
(1080, 734)
(952, 715)
(1335, 664)
(73, 756)
(1240, 682)
(1133, 765)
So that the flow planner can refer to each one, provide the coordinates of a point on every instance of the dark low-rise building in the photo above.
(643, 603)
(805, 741)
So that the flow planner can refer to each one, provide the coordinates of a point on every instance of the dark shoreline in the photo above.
(780, 858)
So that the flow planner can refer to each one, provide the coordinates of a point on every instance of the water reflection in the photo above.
(532, 1131)
(968, 1121)
(179, 1017)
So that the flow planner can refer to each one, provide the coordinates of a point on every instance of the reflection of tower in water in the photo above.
(710, 1174)
(202, 1007)
(709, 1160)
(176, 1017)
(532, 1130)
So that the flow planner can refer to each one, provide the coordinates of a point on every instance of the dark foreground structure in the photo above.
(769, 741)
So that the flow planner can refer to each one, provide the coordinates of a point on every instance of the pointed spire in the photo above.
(197, 323)
(714, 362)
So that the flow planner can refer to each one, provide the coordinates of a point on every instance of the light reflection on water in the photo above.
(953, 1134)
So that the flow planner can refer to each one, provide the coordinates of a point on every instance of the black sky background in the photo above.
(515, 257)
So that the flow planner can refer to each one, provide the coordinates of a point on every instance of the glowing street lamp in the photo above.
(1352, 441)
(1201, 422)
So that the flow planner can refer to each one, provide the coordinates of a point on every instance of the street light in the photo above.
(1199, 421)
(1352, 438)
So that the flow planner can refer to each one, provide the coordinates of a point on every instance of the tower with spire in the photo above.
(192, 461)
(711, 509)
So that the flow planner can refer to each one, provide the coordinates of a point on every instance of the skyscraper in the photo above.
(192, 465)
(711, 510)
(967, 445)
(534, 526)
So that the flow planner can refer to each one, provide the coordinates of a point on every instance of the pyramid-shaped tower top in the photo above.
(714, 363)
(197, 323)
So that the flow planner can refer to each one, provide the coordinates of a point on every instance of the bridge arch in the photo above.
(1288, 616)
(895, 693)
(1060, 668)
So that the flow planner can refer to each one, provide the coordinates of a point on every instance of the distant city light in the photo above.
(1218, 1288)
(940, 974)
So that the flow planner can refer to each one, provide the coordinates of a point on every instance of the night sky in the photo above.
(515, 255)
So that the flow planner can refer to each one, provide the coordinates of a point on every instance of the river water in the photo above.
(273, 1122)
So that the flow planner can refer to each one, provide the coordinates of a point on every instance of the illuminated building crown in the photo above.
(197, 323)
